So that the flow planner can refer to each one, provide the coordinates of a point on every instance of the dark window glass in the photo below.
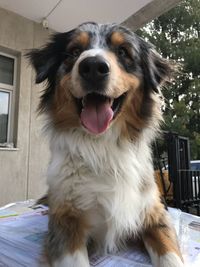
(6, 70)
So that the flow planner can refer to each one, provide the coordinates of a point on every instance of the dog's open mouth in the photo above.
(97, 111)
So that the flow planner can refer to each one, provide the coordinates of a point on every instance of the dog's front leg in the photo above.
(66, 239)
(161, 241)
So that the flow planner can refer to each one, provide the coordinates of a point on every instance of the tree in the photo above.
(176, 35)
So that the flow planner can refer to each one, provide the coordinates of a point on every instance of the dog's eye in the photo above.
(122, 52)
(75, 52)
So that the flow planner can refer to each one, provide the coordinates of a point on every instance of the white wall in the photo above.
(22, 171)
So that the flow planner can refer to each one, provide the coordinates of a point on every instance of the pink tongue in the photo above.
(96, 115)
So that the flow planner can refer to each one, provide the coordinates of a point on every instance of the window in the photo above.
(8, 70)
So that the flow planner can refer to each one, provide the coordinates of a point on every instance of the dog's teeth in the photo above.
(111, 101)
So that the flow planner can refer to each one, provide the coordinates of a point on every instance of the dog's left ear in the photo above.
(156, 70)
(46, 60)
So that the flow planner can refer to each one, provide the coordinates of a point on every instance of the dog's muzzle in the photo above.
(97, 109)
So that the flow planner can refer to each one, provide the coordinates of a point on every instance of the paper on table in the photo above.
(21, 241)
(20, 208)
(188, 231)
(130, 257)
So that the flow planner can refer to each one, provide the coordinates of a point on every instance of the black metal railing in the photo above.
(187, 191)
(184, 182)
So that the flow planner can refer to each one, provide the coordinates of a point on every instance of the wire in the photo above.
(58, 3)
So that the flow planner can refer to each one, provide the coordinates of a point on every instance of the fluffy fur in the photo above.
(100, 176)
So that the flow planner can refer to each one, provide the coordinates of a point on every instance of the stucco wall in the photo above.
(22, 171)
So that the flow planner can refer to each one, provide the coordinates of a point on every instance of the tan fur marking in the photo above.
(158, 232)
(133, 114)
(72, 220)
(120, 81)
(162, 241)
(117, 39)
(64, 111)
(131, 119)
(82, 39)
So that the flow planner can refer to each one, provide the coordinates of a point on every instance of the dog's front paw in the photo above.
(77, 259)
(170, 260)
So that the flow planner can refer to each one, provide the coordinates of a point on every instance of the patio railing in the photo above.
(187, 191)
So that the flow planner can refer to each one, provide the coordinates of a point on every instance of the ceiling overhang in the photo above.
(63, 15)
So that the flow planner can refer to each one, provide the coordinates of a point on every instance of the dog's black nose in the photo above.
(94, 69)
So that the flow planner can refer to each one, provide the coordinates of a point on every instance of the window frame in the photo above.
(11, 90)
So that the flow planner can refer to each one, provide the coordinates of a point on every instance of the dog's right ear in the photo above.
(47, 60)
(156, 70)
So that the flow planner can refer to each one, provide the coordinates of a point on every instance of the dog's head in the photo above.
(98, 76)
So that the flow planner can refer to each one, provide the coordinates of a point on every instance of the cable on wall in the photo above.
(45, 22)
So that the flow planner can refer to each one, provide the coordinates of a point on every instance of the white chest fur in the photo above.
(105, 177)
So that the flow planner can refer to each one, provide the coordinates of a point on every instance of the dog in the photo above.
(103, 102)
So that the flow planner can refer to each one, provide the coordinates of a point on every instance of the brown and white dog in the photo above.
(103, 107)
